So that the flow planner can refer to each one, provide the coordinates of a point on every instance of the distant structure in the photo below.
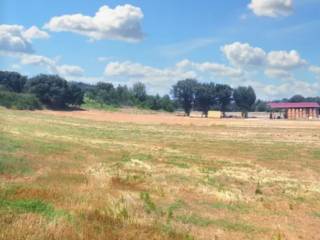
(297, 110)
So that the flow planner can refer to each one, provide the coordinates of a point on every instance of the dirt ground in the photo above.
(172, 119)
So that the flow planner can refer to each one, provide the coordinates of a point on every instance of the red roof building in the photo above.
(297, 110)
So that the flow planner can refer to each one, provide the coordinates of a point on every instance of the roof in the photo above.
(294, 105)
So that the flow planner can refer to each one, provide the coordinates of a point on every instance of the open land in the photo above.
(132, 175)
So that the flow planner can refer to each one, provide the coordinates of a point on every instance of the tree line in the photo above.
(193, 95)
(52, 91)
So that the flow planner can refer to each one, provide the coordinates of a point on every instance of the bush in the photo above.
(19, 101)
(51, 90)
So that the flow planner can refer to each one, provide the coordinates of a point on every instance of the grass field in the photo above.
(99, 175)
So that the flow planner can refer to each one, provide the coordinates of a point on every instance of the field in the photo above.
(93, 175)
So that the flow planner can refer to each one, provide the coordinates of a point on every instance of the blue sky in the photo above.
(270, 44)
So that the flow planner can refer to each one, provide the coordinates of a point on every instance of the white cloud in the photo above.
(32, 59)
(16, 39)
(286, 89)
(69, 70)
(278, 74)
(51, 65)
(244, 55)
(271, 8)
(161, 79)
(12, 39)
(285, 60)
(315, 70)
(211, 68)
(34, 32)
(155, 78)
(121, 23)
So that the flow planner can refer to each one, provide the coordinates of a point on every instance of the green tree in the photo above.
(167, 104)
(205, 97)
(297, 98)
(244, 97)
(12, 81)
(184, 92)
(75, 94)
(261, 106)
(51, 90)
(104, 93)
(139, 91)
(224, 97)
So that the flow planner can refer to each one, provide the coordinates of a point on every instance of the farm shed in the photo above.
(298, 110)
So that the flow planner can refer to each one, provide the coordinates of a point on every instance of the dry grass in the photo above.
(97, 175)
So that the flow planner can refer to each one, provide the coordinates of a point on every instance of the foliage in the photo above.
(205, 97)
(139, 91)
(105, 94)
(19, 101)
(12, 81)
(261, 106)
(184, 92)
(54, 91)
(244, 97)
(297, 98)
(50, 89)
(224, 97)
(75, 94)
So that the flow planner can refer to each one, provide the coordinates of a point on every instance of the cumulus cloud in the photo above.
(31, 59)
(276, 64)
(162, 79)
(212, 68)
(69, 70)
(17, 39)
(121, 23)
(12, 39)
(244, 55)
(51, 65)
(271, 8)
(154, 77)
(285, 60)
(34, 32)
(285, 89)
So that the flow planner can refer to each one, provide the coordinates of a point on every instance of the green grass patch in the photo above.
(149, 205)
(91, 104)
(316, 154)
(14, 165)
(30, 206)
(9, 144)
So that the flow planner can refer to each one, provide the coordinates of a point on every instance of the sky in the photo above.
(271, 45)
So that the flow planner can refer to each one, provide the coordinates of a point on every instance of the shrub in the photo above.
(19, 101)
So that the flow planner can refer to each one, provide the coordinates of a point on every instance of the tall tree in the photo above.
(105, 93)
(205, 97)
(184, 92)
(139, 91)
(224, 97)
(244, 97)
